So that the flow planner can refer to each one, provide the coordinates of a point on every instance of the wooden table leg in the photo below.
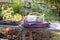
(31, 35)
(23, 35)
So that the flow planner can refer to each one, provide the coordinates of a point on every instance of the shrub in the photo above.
(17, 7)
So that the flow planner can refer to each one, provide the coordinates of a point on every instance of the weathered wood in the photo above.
(36, 35)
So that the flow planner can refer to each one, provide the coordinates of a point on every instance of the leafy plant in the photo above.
(56, 3)
(16, 17)
(35, 7)
(17, 7)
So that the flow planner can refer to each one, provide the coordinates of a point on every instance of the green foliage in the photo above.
(35, 7)
(55, 3)
(16, 17)
(17, 7)
(49, 15)
(6, 14)
(52, 1)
